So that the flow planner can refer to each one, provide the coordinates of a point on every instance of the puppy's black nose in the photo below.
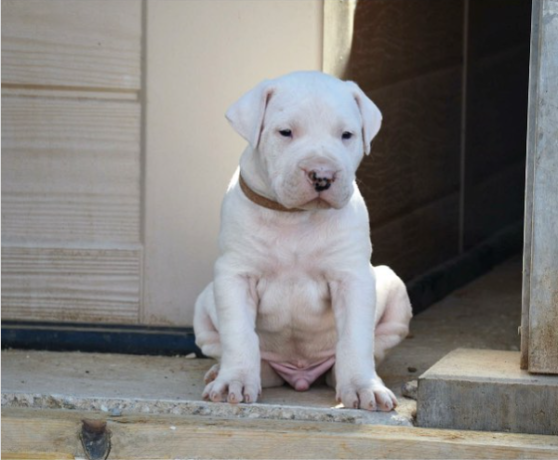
(321, 180)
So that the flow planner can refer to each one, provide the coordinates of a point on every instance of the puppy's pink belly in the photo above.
(300, 378)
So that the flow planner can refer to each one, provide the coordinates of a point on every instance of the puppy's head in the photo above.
(309, 132)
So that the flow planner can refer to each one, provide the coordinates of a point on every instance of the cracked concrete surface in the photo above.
(483, 314)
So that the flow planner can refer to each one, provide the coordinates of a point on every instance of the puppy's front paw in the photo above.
(233, 389)
(369, 395)
(211, 374)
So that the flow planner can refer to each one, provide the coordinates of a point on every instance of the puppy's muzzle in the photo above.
(321, 180)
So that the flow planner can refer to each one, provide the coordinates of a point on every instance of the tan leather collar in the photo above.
(262, 200)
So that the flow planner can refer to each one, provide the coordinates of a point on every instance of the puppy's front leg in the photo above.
(357, 384)
(239, 373)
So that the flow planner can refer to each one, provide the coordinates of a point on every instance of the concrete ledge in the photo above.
(486, 390)
(120, 385)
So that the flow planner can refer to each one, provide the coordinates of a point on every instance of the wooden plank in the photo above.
(529, 182)
(419, 240)
(497, 98)
(415, 158)
(63, 93)
(70, 171)
(396, 40)
(493, 204)
(495, 25)
(30, 432)
(543, 308)
(76, 285)
(338, 34)
(72, 44)
(40, 456)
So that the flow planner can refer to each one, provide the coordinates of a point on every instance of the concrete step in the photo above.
(483, 314)
(157, 385)
(486, 390)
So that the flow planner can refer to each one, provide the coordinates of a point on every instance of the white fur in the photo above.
(297, 287)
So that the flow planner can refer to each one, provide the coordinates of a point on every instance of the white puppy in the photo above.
(294, 294)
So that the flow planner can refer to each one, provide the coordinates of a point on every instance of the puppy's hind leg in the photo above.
(207, 335)
(270, 378)
(393, 312)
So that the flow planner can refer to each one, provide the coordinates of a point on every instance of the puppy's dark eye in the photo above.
(286, 132)
(347, 135)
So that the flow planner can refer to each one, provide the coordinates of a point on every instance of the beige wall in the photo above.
(71, 161)
(200, 57)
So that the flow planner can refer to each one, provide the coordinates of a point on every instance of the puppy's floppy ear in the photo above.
(247, 114)
(371, 115)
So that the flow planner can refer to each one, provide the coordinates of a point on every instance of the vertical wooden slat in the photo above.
(529, 179)
(338, 35)
(542, 221)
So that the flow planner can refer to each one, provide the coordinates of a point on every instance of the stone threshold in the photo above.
(122, 385)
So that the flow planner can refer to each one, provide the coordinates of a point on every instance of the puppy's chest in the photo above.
(307, 249)
(292, 300)
(292, 292)
(291, 288)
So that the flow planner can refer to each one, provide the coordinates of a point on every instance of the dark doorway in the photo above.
(445, 181)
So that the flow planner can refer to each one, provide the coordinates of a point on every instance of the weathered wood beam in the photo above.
(29, 433)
